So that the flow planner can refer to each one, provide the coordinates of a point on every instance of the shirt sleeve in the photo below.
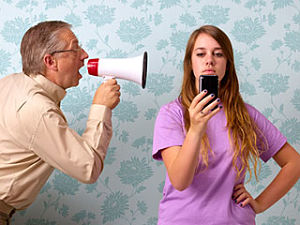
(168, 129)
(80, 157)
(270, 136)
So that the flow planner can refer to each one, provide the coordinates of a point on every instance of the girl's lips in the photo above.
(209, 71)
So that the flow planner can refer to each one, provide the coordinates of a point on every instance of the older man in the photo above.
(35, 137)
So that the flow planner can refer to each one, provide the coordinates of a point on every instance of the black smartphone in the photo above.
(211, 84)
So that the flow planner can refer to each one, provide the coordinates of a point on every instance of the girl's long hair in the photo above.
(243, 133)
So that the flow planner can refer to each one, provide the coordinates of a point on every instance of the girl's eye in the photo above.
(200, 54)
(218, 54)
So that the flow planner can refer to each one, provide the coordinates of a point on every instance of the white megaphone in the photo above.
(133, 69)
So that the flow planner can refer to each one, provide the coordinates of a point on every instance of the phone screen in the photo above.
(209, 83)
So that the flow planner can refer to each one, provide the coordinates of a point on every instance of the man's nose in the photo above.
(84, 54)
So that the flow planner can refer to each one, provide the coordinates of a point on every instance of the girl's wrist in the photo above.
(195, 133)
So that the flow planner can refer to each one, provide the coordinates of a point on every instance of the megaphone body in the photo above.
(132, 69)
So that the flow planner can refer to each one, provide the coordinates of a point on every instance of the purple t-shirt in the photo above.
(208, 200)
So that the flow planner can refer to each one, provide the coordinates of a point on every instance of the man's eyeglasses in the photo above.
(67, 50)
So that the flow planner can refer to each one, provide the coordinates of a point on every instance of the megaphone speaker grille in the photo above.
(145, 59)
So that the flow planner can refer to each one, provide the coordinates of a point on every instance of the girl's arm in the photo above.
(181, 161)
(289, 161)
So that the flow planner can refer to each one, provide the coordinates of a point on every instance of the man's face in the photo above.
(69, 62)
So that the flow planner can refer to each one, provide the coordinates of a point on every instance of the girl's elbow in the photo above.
(298, 168)
(180, 186)
(296, 165)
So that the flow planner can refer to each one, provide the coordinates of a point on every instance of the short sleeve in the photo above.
(168, 129)
(272, 138)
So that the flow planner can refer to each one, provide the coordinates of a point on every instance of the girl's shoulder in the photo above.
(174, 106)
(254, 113)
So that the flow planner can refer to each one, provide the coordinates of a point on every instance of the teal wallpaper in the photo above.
(266, 38)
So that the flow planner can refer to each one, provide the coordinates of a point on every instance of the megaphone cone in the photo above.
(132, 69)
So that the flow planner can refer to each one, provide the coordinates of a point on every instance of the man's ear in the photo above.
(50, 62)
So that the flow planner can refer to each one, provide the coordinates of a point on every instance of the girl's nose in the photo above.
(209, 60)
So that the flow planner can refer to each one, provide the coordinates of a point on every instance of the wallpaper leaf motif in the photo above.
(151, 221)
(81, 96)
(214, 14)
(73, 19)
(100, 15)
(14, 29)
(65, 185)
(278, 4)
(274, 83)
(292, 40)
(159, 84)
(126, 111)
(53, 3)
(179, 39)
(40, 222)
(133, 30)
(271, 19)
(114, 206)
(188, 19)
(150, 114)
(291, 129)
(168, 3)
(139, 3)
(134, 171)
(131, 89)
(116, 53)
(4, 64)
(252, 4)
(296, 100)
(280, 220)
(296, 66)
(110, 156)
(248, 88)
(248, 30)
(157, 19)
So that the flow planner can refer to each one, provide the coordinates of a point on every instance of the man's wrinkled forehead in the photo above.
(69, 37)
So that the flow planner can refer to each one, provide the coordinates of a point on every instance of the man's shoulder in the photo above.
(13, 77)
(25, 92)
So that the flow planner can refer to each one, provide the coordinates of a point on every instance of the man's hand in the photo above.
(108, 94)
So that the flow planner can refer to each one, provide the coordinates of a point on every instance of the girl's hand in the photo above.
(199, 115)
(242, 197)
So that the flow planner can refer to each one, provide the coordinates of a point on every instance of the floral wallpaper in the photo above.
(266, 38)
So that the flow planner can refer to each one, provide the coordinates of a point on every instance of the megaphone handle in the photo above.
(106, 78)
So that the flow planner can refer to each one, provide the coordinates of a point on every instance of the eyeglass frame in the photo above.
(67, 50)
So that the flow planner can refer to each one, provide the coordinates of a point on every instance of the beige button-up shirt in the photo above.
(35, 139)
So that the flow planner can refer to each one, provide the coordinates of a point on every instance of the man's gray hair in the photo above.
(39, 40)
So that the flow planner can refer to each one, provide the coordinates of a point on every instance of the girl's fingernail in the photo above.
(212, 95)
(205, 91)
(235, 200)
(220, 106)
(241, 205)
(218, 100)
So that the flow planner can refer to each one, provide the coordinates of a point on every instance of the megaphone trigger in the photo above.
(106, 78)
(132, 69)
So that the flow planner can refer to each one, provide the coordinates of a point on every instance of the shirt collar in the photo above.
(55, 92)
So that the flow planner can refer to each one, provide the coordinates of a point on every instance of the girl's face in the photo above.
(208, 58)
